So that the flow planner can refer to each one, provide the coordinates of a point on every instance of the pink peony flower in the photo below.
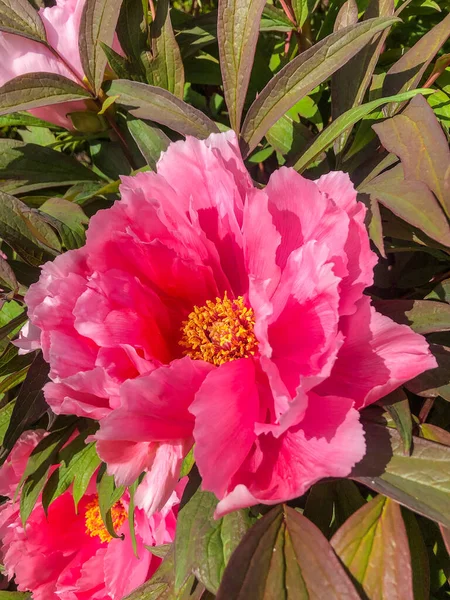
(203, 309)
(70, 555)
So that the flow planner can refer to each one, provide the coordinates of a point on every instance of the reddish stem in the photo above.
(425, 410)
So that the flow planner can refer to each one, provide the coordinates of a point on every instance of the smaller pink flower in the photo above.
(69, 554)
(62, 23)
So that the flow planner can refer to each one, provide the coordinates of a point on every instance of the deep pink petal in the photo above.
(327, 443)
(225, 409)
(377, 356)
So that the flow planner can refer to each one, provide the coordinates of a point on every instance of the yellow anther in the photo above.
(220, 331)
(94, 522)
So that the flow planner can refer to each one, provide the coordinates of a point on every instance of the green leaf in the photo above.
(78, 463)
(347, 15)
(97, 26)
(188, 463)
(440, 292)
(407, 72)
(131, 508)
(303, 74)
(350, 83)
(237, 31)
(38, 467)
(108, 495)
(24, 231)
(341, 124)
(373, 545)
(280, 557)
(8, 279)
(150, 140)
(165, 69)
(203, 545)
(303, 9)
(156, 104)
(120, 65)
(274, 19)
(19, 17)
(420, 482)
(161, 585)
(412, 201)
(423, 316)
(34, 90)
(434, 382)
(30, 404)
(69, 219)
(25, 167)
(132, 30)
(331, 503)
(419, 557)
(435, 434)
(14, 595)
(25, 119)
(5, 418)
(417, 127)
(397, 405)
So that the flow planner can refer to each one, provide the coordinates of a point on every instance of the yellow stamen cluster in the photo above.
(94, 521)
(220, 331)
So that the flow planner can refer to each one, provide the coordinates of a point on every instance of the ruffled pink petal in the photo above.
(327, 443)
(158, 484)
(377, 356)
(125, 460)
(225, 409)
(219, 197)
(123, 570)
(301, 213)
(338, 187)
(261, 242)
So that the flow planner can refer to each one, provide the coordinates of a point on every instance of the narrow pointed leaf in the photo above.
(34, 90)
(418, 128)
(98, 24)
(420, 482)
(30, 404)
(204, 545)
(237, 32)
(21, 18)
(435, 382)
(341, 124)
(407, 72)
(412, 201)
(132, 29)
(303, 74)
(350, 83)
(423, 316)
(397, 405)
(166, 67)
(280, 557)
(150, 140)
(156, 104)
(373, 545)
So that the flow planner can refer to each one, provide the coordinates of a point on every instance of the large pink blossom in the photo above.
(23, 55)
(68, 554)
(204, 309)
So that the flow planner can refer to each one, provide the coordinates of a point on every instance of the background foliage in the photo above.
(361, 86)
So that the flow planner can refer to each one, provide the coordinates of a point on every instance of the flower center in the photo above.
(94, 521)
(220, 331)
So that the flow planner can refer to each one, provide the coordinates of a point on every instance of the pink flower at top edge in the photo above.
(62, 24)
(204, 309)
(69, 555)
